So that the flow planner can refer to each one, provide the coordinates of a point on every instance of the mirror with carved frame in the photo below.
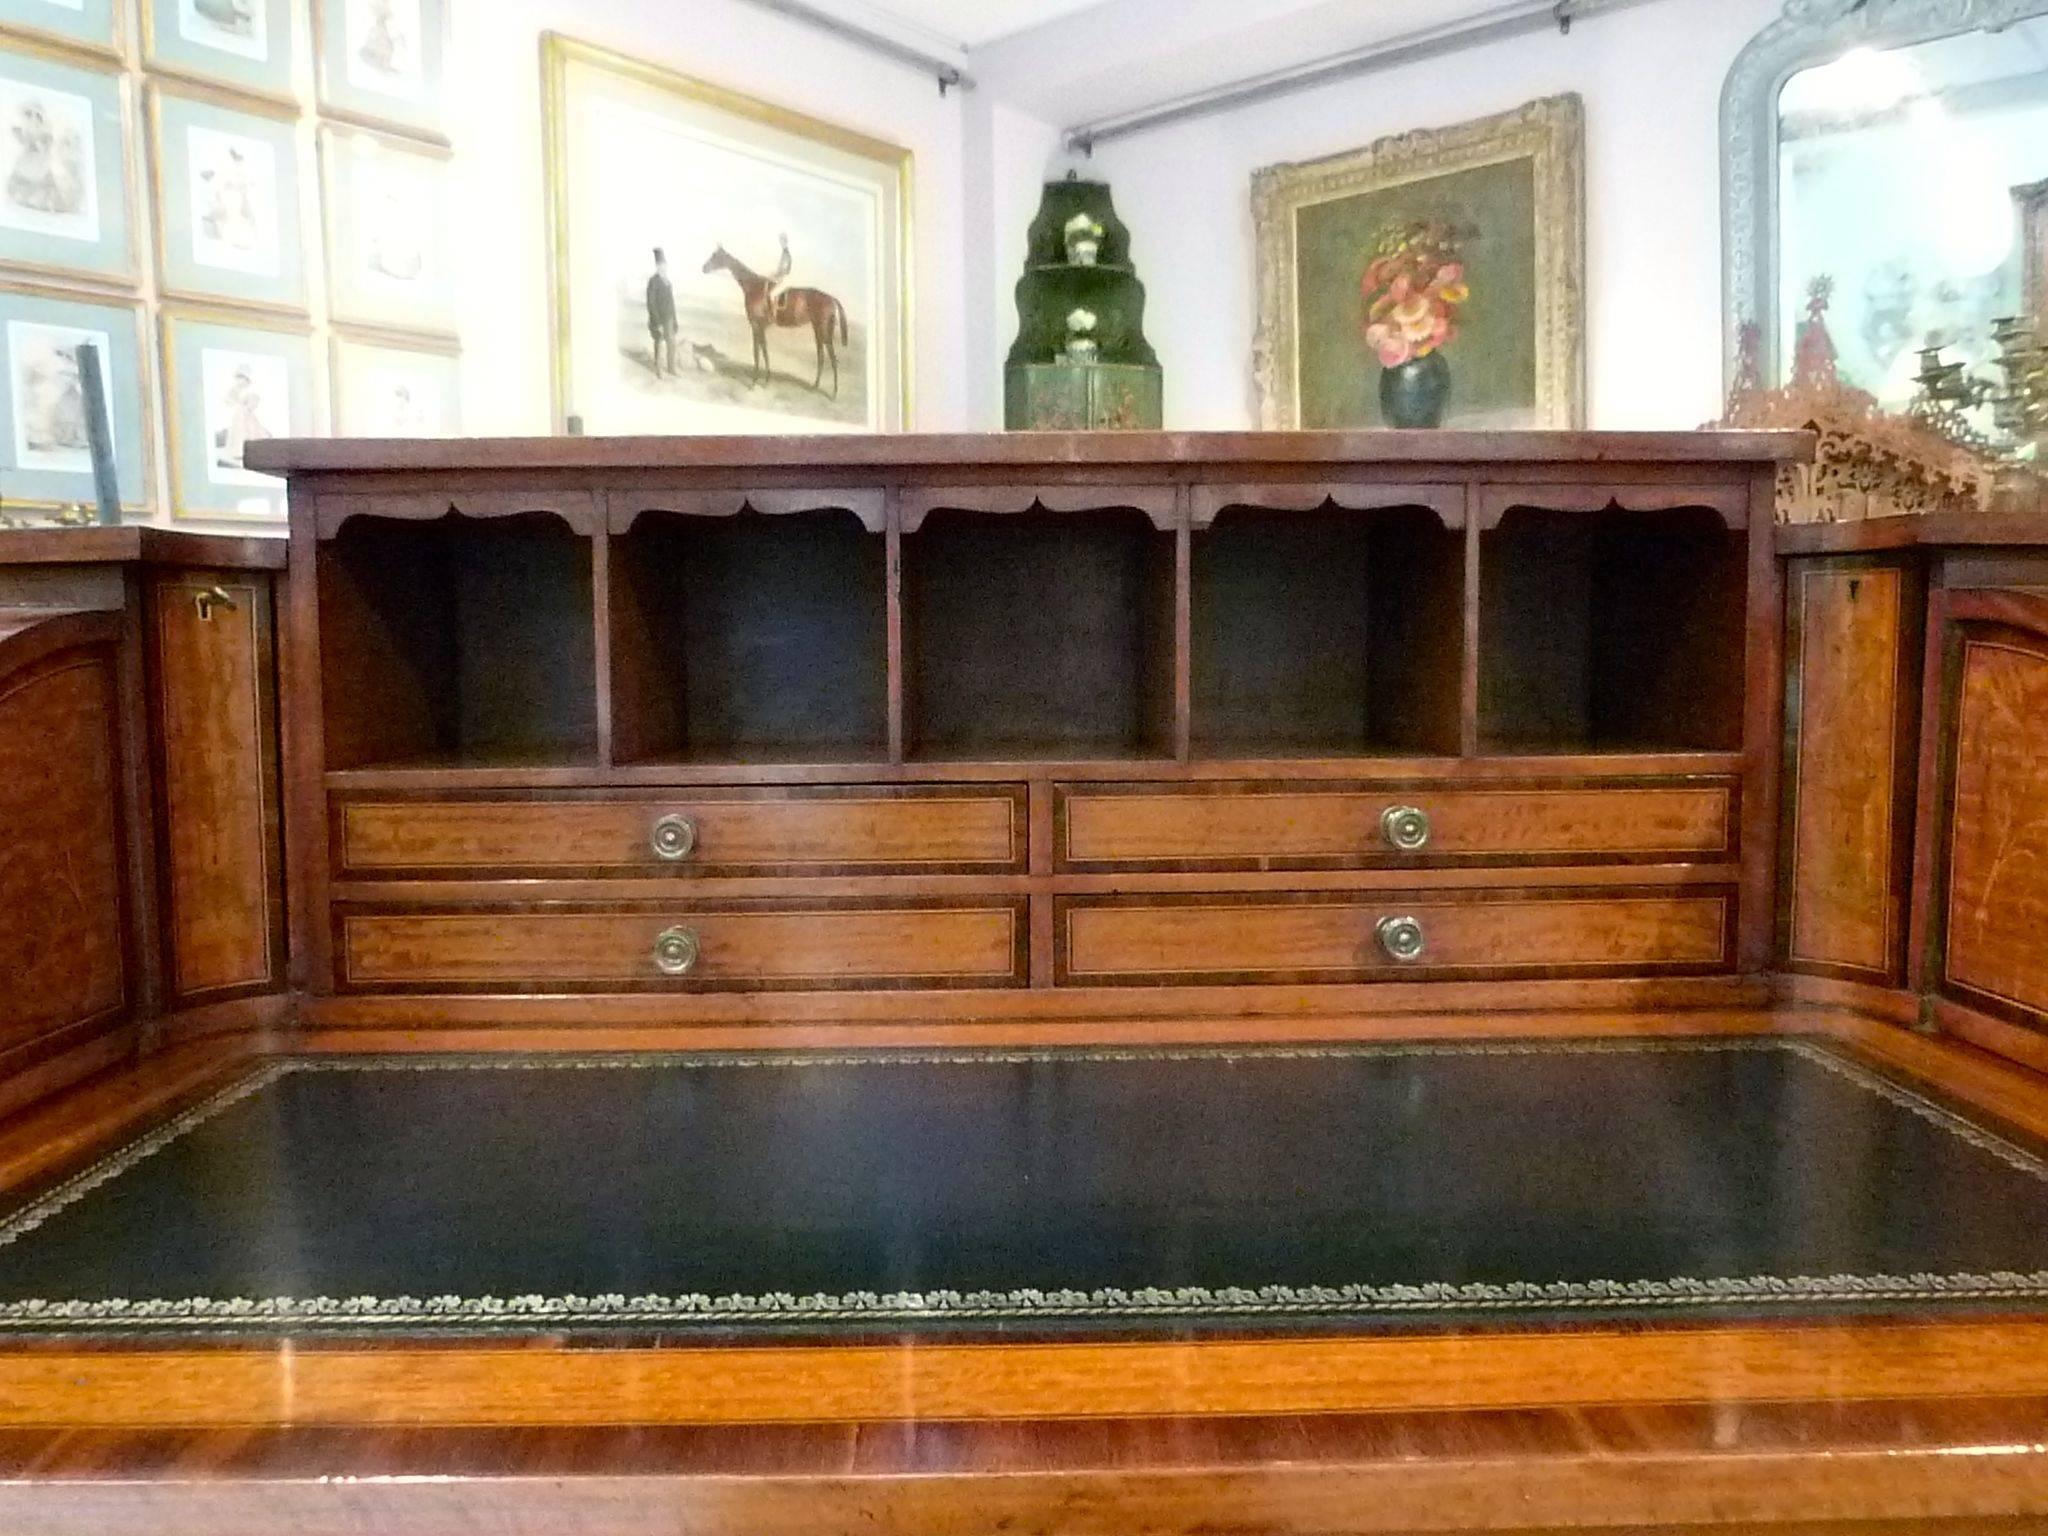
(1883, 158)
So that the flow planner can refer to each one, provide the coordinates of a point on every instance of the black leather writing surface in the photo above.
(1348, 1186)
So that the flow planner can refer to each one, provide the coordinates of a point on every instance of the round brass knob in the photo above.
(1405, 827)
(1402, 938)
(675, 952)
(674, 838)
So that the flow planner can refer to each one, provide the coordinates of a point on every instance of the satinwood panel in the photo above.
(1846, 909)
(1252, 826)
(1338, 937)
(972, 829)
(757, 946)
(213, 685)
(1997, 907)
(63, 944)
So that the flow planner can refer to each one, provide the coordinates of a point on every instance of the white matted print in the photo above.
(248, 399)
(246, 44)
(382, 60)
(48, 148)
(45, 455)
(721, 265)
(48, 390)
(233, 184)
(228, 384)
(387, 232)
(64, 185)
(227, 183)
(382, 389)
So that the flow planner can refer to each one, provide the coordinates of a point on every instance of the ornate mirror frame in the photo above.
(1809, 32)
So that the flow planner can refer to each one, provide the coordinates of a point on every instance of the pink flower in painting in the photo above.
(1412, 288)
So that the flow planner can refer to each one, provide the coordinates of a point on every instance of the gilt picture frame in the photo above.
(394, 386)
(769, 292)
(67, 167)
(45, 457)
(97, 26)
(230, 379)
(2030, 203)
(381, 63)
(244, 45)
(226, 179)
(1497, 206)
(388, 231)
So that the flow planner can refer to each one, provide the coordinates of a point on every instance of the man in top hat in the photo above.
(661, 316)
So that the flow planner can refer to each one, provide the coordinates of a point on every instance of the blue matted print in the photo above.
(65, 193)
(229, 382)
(45, 462)
(246, 44)
(227, 202)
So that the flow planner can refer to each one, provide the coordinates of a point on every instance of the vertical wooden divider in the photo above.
(601, 617)
(1930, 823)
(1468, 665)
(1763, 730)
(304, 752)
(898, 691)
(1183, 624)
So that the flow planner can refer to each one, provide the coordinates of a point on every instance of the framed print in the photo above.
(230, 381)
(91, 24)
(719, 264)
(45, 460)
(387, 231)
(65, 182)
(380, 61)
(227, 201)
(246, 44)
(1433, 279)
(387, 387)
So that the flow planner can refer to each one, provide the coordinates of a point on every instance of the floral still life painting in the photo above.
(1430, 280)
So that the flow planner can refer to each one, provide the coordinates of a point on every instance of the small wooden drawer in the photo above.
(900, 829)
(1238, 827)
(754, 946)
(1347, 936)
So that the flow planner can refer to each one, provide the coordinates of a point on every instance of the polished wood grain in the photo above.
(1269, 826)
(1996, 911)
(1901, 1468)
(1056, 450)
(792, 831)
(1150, 940)
(133, 545)
(66, 966)
(1855, 664)
(213, 659)
(760, 945)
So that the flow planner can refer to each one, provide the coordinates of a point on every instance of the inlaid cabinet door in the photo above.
(1994, 909)
(1853, 689)
(213, 703)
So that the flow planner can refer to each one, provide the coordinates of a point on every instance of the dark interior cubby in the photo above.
(1040, 635)
(1327, 633)
(750, 639)
(458, 643)
(1611, 631)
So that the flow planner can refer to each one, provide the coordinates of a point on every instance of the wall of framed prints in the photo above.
(242, 205)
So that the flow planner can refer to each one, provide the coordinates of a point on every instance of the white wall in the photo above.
(1007, 158)
(501, 241)
(1651, 78)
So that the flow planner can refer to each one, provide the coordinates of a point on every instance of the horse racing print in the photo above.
(719, 264)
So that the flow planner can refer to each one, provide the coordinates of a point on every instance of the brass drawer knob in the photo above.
(674, 839)
(1405, 827)
(1402, 938)
(675, 952)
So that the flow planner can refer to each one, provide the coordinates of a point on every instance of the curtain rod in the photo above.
(1513, 19)
(948, 73)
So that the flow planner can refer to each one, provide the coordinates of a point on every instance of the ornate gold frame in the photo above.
(559, 52)
(169, 317)
(1550, 131)
(2030, 202)
(138, 311)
